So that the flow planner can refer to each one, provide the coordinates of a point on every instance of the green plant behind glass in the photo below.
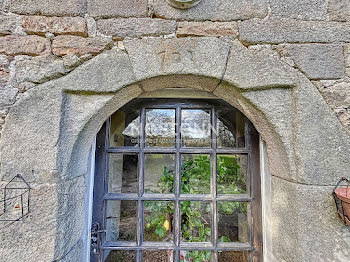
(195, 179)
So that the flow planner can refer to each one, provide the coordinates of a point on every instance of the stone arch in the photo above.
(48, 132)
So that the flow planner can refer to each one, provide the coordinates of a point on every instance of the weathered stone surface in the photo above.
(38, 69)
(71, 61)
(135, 27)
(207, 28)
(117, 8)
(7, 95)
(314, 220)
(39, 128)
(277, 106)
(337, 97)
(159, 57)
(214, 10)
(300, 9)
(24, 45)
(56, 25)
(4, 70)
(40, 134)
(75, 254)
(55, 209)
(48, 7)
(68, 45)
(101, 67)
(347, 58)
(275, 30)
(339, 10)
(8, 24)
(264, 64)
(321, 143)
(318, 61)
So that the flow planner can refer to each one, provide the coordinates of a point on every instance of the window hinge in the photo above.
(96, 238)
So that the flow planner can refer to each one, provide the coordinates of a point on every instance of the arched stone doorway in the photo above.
(49, 132)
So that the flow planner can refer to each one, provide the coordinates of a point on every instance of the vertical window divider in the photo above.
(214, 228)
(177, 185)
(106, 175)
(141, 187)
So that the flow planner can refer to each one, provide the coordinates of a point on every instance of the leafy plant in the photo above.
(195, 179)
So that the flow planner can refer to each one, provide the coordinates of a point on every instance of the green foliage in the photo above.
(195, 179)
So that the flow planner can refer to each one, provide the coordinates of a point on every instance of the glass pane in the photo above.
(158, 256)
(195, 256)
(195, 128)
(121, 256)
(232, 221)
(122, 177)
(125, 128)
(230, 128)
(233, 256)
(231, 174)
(158, 221)
(195, 174)
(159, 173)
(121, 220)
(160, 127)
(195, 221)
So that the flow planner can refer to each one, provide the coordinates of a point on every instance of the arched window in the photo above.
(177, 181)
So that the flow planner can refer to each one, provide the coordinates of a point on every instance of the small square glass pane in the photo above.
(231, 174)
(233, 256)
(122, 175)
(195, 174)
(158, 256)
(159, 173)
(158, 221)
(195, 221)
(232, 221)
(160, 127)
(230, 129)
(195, 128)
(195, 255)
(121, 220)
(121, 256)
(125, 128)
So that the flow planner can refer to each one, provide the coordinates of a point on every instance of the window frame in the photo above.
(252, 196)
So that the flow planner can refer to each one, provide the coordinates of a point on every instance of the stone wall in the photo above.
(63, 62)
(43, 40)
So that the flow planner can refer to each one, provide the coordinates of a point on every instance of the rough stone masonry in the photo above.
(44, 40)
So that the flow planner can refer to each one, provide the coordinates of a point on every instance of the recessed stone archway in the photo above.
(49, 132)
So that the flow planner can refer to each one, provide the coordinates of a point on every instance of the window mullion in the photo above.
(214, 229)
(141, 185)
(177, 185)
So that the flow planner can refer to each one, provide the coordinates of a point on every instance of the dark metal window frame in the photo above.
(252, 197)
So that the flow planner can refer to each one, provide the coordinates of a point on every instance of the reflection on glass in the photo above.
(195, 255)
(122, 176)
(195, 174)
(121, 220)
(125, 128)
(158, 256)
(121, 256)
(231, 174)
(158, 221)
(233, 256)
(160, 127)
(195, 221)
(159, 173)
(195, 128)
(230, 128)
(232, 221)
